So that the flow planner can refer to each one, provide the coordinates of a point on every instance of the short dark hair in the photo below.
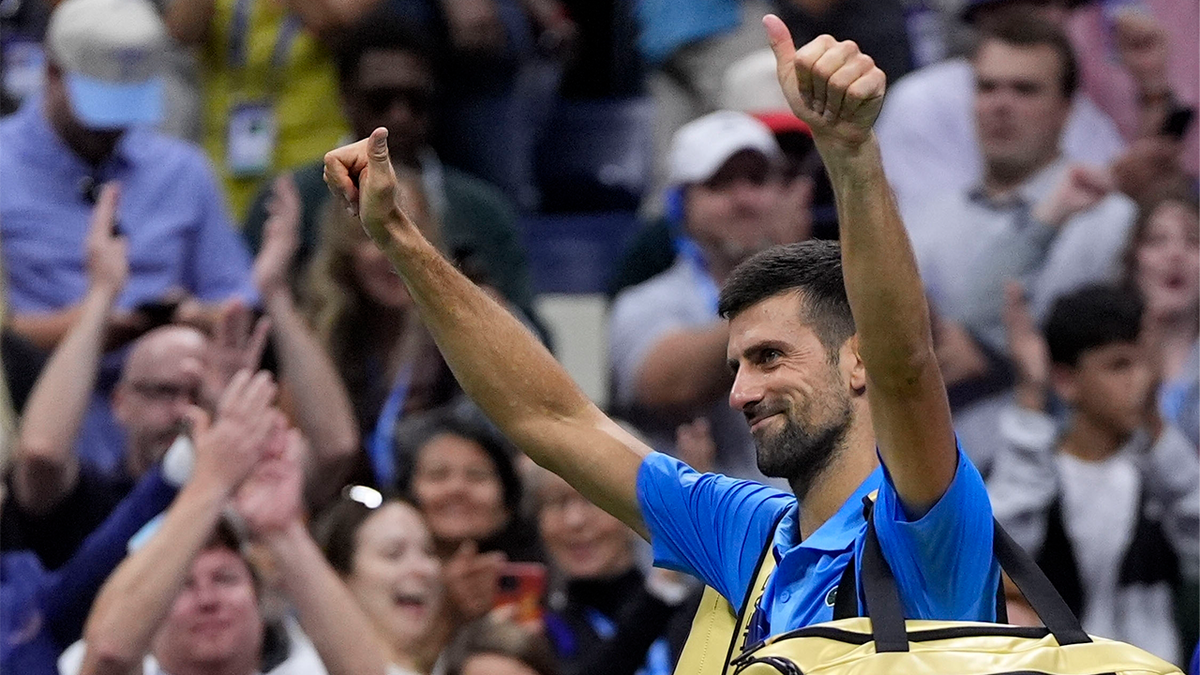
(487, 636)
(1022, 29)
(1089, 318)
(811, 268)
(380, 31)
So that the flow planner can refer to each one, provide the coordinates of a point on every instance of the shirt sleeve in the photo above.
(707, 525)
(218, 262)
(943, 562)
(69, 595)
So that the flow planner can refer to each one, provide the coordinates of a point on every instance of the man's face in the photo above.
(90, 143)
(160, 381)
(392, 89)
(794, 393)
(215, 621)
(583, 540)
(738, 212)
(1111, 385)
(1020, 108)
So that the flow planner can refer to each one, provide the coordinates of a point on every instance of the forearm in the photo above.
(321, 404)
(685, 369)
(136, 599)
(516, 381)
(339, 629)
(910, 413)
(882, 283)
(45, 463)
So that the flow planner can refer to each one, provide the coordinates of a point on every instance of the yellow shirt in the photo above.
(303, 93)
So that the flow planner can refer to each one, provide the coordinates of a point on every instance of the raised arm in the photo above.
(838, 91)
(136, 599)
(45, 467)
(497, 361)
(319, 400)
(270, 504)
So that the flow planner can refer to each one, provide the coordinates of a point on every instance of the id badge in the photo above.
(250, 146)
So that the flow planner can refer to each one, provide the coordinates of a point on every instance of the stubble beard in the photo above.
(799, 453)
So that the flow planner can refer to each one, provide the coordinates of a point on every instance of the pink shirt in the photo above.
(1111, 86)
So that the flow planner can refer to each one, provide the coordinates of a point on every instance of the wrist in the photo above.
(277, 298)
(282, 539)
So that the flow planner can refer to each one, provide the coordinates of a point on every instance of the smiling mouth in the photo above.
(757, 421)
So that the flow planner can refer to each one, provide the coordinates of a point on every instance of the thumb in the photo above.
(377, 151)
(197, 419)
(466, 551)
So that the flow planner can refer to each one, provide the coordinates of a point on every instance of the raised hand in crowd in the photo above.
(1149, 167)
(315, 393)
(280, 239)
(1142, 48)
(270, 503)
(45, 467)
(1027, 350)
(137, 599)
(1080, 189)
(237, 344)
(472, 580)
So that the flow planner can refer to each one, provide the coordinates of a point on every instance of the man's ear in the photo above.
(1064, 382)
(851, 364)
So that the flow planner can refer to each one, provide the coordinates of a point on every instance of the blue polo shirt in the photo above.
(171, 211)
(715, 527)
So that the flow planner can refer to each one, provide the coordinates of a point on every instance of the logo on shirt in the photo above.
(831, 597)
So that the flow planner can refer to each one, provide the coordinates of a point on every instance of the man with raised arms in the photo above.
(833, 377)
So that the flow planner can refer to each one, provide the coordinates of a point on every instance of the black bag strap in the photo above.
(845, 605)
(887, 615)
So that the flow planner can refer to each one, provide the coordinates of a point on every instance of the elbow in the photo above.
(903, 369)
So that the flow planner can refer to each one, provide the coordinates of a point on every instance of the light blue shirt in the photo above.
(171, 212)
(714, 527)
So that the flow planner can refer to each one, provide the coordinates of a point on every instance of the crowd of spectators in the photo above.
(229, 446)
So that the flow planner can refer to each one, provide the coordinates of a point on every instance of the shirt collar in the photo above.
(836, 534)
(1032, 191)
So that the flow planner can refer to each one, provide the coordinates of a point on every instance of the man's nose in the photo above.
(746, 390)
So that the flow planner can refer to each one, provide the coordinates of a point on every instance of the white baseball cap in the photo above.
(701, 147)
(111, 53)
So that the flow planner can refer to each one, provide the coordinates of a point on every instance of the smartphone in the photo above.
(522, 587)
(1177, 122)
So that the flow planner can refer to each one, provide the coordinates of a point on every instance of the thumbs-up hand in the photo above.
(362, 179)
(832, 86)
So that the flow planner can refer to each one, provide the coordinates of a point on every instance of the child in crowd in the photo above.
(1108, 501)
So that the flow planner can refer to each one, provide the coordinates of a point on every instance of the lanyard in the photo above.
(239, 31)
(689, 251)
(379, 450)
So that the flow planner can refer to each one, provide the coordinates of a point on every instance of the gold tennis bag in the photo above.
(884, 643)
